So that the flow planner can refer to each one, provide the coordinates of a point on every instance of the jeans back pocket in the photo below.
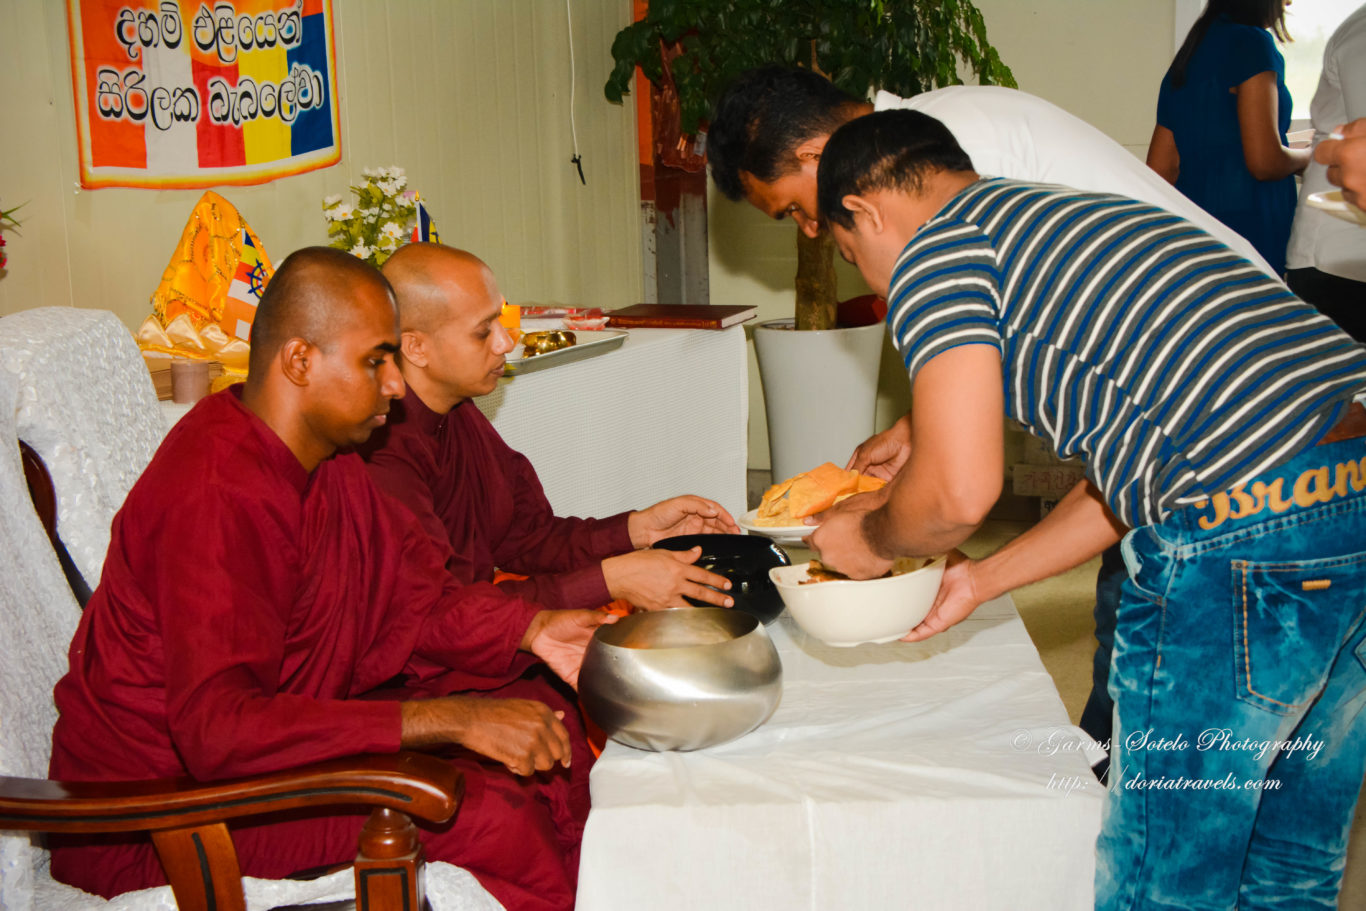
(1290, 621)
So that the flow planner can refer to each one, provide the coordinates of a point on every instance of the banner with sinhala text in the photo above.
(201, 94)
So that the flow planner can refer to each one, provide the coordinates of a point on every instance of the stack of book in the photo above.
(680, 316)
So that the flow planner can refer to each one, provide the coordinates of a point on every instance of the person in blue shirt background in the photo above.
(1222, 115)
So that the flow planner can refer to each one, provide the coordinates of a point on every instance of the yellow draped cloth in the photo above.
(206, 301)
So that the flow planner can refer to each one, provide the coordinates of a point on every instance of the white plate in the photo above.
(587, 344)
(783, 534)
(1331, 201)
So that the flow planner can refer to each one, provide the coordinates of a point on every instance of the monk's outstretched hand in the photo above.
(687, 515)
(524, 735)
(659, 579)
(558, 637)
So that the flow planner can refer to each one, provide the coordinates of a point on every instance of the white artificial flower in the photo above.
(388, 187)
(391, 229)
(371, 172)
(361, 251)
(369, 213)
(341, 212)
(332, 200)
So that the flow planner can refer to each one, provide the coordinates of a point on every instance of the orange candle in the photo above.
(511, 317)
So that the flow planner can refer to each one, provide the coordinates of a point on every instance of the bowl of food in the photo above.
(744, 560)
(680, 679)
(841, 611)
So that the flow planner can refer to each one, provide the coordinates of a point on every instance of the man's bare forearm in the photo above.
(889, 537)
(1078, 528)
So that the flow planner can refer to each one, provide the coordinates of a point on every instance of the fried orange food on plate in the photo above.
(785, 504)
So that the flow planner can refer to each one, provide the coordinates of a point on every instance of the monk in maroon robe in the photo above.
(481, 500)
(442, 458)
(256, 584)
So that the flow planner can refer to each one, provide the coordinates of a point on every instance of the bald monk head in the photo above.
(454, 348)
(322, 368)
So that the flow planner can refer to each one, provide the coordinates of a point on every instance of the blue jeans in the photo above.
(1239, 684)
(1097, 718)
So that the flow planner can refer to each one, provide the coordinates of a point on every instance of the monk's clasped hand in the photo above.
(522, 734)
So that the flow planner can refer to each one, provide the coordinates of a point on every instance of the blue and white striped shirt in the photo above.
(1128, 336)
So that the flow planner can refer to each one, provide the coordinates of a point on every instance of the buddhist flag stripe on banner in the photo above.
(248, 284)
(188, 94)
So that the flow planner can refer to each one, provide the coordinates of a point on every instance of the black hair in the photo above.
(883, 151)
(1268, 14)
(763, 116)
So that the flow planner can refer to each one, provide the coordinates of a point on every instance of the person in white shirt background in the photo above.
(1326, 259)
(1346, 161)
(1009, 133)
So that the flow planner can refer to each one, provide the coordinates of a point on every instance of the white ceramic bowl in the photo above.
(847, 612)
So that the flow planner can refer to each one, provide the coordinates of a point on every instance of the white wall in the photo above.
(1101, 60)
(470, 96)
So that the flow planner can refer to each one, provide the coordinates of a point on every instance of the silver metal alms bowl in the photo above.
(680, 679)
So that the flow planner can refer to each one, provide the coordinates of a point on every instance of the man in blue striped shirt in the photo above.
(1213, 412)
(765, 143)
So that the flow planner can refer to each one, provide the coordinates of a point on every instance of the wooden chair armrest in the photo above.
(411, 783)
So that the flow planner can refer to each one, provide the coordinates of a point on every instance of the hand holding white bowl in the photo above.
(846, 612)
(957, 598)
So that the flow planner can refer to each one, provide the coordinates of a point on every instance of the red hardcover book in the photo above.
(680, 316)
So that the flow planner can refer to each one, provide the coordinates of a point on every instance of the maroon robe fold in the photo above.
(474, 492)
(244, 605)
(481, 502)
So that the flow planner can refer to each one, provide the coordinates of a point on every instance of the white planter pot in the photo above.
(820, 392)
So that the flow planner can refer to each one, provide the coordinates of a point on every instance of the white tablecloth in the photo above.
(664, 414)
(935, 775)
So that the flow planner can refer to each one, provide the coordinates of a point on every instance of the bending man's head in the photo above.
(880, 178)
(454, 347)
(322, 344)
(766, 136)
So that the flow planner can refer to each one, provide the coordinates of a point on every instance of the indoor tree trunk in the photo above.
(815, 281)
